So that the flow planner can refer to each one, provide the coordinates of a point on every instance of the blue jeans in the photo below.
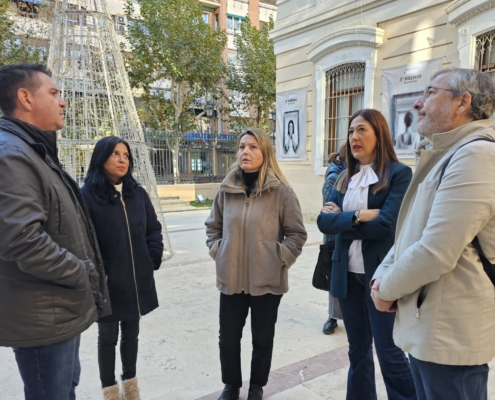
(453, 382)
(365, 324)
(50, 372)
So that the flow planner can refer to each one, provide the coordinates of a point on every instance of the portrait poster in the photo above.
(402, 86)
(290, 136)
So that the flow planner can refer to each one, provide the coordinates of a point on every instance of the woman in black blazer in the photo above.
(362, 213)
(131, 243)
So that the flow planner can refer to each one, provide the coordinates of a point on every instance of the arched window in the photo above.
(344, 96)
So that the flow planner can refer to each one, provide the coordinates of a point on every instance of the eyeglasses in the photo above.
(427, 92)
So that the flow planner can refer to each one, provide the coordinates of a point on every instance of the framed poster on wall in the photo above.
(291, 125)
(291, 136)
(402, 86)
(404, 133)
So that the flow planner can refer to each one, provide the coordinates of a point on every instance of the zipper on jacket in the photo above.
(132, 254)
(420, 300)
(244, 240)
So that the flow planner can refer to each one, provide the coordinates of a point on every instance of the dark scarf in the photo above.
(250, 179)
(46, 138)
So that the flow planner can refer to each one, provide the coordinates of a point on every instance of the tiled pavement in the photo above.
(178, 354)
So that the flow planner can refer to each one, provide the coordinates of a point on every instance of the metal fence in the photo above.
(199, 157)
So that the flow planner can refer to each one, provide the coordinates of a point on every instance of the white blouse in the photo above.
(356, 198)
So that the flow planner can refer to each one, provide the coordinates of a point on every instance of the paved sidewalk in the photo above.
(178, 353)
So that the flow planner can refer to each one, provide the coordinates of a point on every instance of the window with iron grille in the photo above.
(485, 54)
(344, 96)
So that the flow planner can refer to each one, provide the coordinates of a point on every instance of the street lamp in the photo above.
(209, 113)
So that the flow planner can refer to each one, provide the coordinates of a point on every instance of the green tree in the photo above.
(22, 42)
(168, 42)
(253, 78)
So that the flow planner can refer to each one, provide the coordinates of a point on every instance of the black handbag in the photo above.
(323, 269)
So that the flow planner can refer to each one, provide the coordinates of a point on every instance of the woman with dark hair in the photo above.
(130, 238)
(362, 214)
(255, 233)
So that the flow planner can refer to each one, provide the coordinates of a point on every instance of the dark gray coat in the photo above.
(52, 282)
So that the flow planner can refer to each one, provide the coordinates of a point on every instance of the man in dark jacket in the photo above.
(52, 282)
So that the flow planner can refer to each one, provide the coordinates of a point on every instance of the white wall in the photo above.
(313, 36)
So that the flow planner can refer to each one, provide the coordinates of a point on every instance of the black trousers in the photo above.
(108, 334)
(233, 313)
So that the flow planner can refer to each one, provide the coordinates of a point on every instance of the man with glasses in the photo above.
(433, 276)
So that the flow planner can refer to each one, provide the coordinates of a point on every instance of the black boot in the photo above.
(255, 392)
(230, 393)
(330, 326)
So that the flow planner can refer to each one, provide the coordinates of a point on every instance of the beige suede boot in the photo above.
(112, 393)
(131, 389)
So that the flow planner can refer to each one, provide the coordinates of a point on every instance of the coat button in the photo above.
(91, 266)
(105, 301)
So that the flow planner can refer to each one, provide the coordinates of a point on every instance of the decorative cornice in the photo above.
(360, 30)
(339, 46)
(361, 36)
(290, 26)
(455, 5)
(472, 13)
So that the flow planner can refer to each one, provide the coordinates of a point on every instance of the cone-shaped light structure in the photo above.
(87, 65)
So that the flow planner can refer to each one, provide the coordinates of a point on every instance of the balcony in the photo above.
(210, 3)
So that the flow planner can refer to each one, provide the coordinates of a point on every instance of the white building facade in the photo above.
(339, 50)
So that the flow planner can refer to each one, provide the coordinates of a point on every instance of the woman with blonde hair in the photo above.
(255, 233)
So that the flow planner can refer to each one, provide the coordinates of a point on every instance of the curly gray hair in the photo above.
(478, 84)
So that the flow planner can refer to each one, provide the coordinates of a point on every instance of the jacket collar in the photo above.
(232, 185)
(42, 142)
(446, 140)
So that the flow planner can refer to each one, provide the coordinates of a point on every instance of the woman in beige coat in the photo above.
(255, 233)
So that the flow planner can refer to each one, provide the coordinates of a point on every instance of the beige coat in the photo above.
(446, 306)
(254, 240)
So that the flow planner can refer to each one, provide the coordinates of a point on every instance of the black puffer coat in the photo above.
(129, 264)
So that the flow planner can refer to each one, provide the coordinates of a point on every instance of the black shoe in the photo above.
(255, 392)
(330, 326)
(230, 393)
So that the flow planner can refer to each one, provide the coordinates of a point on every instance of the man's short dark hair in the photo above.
(14, 77)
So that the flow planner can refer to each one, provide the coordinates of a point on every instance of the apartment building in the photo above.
(220, 14)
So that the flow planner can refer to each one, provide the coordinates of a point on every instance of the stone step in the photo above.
(174, 203)
(170, 198)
